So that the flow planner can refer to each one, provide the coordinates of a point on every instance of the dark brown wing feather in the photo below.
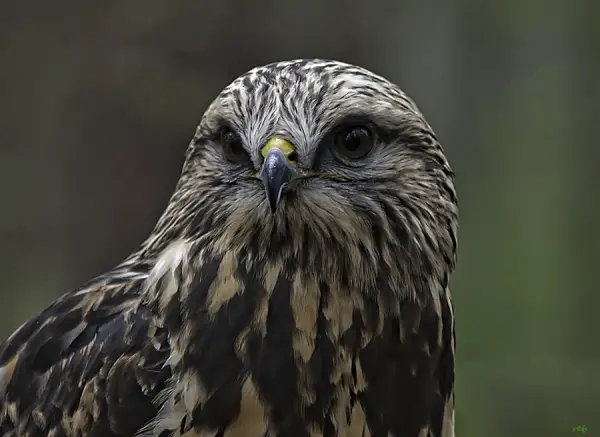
(89, 365)
(410, 375)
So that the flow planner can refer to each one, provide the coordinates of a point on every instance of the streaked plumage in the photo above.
(320, 308)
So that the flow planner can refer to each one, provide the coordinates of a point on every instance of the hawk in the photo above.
(295, 286)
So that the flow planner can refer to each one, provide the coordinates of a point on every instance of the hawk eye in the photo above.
(354, 142)
(233, 148)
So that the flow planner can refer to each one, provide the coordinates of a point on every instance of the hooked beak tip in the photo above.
(276, 174)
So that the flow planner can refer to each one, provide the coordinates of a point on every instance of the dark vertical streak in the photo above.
(274, 367)
(397, 400)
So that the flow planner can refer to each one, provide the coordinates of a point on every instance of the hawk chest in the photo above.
(275, 356)
(283, 355)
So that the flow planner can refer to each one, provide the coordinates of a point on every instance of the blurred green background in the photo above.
(99, 100)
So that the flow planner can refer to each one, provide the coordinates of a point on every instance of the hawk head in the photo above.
(325, 166)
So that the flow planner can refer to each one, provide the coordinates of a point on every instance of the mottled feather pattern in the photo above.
(312, 353)
(329, 318)
(88, 365)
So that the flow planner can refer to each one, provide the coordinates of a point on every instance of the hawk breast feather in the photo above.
(258, 354)
(266, 352)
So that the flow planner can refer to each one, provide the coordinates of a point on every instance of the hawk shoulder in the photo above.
(90, 364)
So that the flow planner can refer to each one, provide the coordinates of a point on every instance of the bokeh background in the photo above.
(98, 101)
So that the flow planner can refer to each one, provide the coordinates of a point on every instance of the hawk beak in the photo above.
(278, 169)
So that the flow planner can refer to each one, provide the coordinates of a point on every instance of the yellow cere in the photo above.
(278, 143)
